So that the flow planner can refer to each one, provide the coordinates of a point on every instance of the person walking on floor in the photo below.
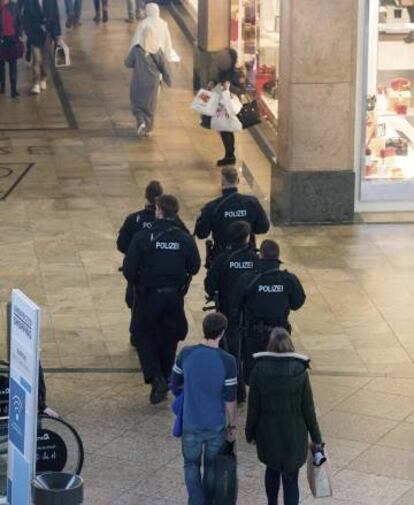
(135, 10)
(280, 415)
(41, 24)
(11, 45)
(105, 11)
(228, 73)
(208, 376)
(73, 12)
(152, 20)
(409, 39)
(148, 63)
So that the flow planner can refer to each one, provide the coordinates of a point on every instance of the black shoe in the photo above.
(69, 22)
(409, 39)
(226, 161)
(105, 17)
(159, 391)
(2, 90)
(15, 94)
(97, 18)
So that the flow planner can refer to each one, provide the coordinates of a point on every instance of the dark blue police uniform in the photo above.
(159, 262)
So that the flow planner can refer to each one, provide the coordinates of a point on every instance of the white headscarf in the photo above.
(153, 32)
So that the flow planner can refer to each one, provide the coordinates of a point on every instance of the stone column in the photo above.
(213, 35)
(313, 179)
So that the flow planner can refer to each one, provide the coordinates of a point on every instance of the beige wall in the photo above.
(213, 24)
(317, 84)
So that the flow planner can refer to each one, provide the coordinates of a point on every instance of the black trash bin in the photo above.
(57, 488)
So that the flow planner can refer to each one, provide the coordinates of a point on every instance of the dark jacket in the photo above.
(39, 23)
(138, 221)
(15, 10)
(267, 294)
(281, 411)
(161, 257)
(217, 215)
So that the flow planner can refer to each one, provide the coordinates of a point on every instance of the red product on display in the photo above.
(388, 152)
(401, 84)
(401, 109)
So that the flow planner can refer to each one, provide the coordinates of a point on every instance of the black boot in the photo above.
(159, 390)
(226, 161)
(2, 77)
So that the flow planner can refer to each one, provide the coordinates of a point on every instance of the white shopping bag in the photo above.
(225, 119)
(319, 478)
(62, 54)
(206, 102)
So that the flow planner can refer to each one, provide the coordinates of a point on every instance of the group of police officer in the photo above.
(247, 285)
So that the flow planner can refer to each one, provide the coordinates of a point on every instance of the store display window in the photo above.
(255, 34)
(388, 168)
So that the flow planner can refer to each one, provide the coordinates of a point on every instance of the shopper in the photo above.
(228, 73)
(73, 12)
(42, 25)
(280, 415)
(148, 64)
(409, 39)
(11, 45)
(157, 25)
(105, 11)
(135, 10)
(209, 378)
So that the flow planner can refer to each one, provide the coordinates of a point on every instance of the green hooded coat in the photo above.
(281, 410)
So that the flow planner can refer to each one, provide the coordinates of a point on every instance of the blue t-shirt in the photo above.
(210, 380)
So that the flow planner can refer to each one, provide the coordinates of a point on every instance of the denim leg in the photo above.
(77, 11)
(192, 448)
(291, 488)
(214, 441)
(69, 7)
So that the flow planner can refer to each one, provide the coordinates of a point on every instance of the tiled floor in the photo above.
(57, 243)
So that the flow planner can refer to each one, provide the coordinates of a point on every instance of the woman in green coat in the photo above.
(280, 415)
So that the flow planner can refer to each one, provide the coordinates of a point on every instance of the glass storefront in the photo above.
(255, 32)
(387, 173)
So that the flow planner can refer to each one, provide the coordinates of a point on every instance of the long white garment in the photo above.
(162, 38)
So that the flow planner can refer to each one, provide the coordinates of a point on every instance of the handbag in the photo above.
(319, 477)
(249, 114)
(62, 54)
(206, 102)
(399, 144)
(225, 490)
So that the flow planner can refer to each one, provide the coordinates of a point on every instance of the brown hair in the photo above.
(280, 341)
(153, 191)
(230, 175)
(169, 205)
(214, 325)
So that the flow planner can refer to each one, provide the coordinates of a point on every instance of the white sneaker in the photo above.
(43, 85)
(36, 89)
(141, 130)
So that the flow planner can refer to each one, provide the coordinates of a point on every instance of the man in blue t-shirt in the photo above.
(209, 378)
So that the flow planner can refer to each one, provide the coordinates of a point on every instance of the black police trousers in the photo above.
(158, 324)
(232, 344)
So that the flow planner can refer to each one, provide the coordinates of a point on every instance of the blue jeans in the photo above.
(195, 442)
(73, 8)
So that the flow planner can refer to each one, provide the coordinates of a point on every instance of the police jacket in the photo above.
(226, 270)
(137, 221)
(268, 294)
(161, 257)
(40, 21)
(218, 214)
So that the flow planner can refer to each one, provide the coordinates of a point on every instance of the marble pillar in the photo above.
(213, 35)
(313, 179)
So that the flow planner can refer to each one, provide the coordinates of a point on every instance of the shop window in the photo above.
(255, 31)
(388, 171)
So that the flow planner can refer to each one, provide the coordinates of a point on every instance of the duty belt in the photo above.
(166, 290)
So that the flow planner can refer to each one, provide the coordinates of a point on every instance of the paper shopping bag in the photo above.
(206, 102)
(62, 54)
(319, 478)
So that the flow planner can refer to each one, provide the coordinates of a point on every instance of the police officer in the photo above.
(137, 221)
(221, 279)
(217, 215)
(160, 262)
(263, 300)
